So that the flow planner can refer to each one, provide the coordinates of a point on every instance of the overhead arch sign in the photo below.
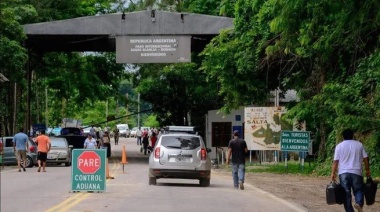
(153, 49)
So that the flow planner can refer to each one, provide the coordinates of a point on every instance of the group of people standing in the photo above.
(21, 147)
(143, 138)
(98, 140)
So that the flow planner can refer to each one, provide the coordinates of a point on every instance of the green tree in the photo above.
(314, 47)
(13, 57)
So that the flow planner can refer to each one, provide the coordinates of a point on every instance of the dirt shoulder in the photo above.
(306, 191)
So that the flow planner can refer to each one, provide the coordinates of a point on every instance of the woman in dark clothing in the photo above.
(145, 142)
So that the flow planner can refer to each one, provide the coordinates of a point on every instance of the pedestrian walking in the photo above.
(43, 147)
(237, 148)
(97, 132)
(92, 131)
(153, 139)
(107, 144)
(20, 146)
(116, 132)
(145, 141)
(138, 135)
(348, 159)
(90, 142)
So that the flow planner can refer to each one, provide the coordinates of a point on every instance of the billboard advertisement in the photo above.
(262, 128)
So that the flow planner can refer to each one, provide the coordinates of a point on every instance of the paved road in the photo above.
(129, 191)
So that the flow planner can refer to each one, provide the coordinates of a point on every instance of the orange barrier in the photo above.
(108, 171)
(124, 157)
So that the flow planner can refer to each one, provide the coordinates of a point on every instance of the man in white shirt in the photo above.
(138, 135)
(348, 158)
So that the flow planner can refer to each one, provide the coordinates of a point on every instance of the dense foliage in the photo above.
(326, 50)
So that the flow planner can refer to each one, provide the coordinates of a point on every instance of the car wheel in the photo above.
(204, 182)
(29, 162)
(152, 181)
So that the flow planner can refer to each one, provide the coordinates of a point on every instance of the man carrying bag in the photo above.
(348, 158)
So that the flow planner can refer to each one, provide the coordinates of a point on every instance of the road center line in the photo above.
(79, 197)
(75, 202)
(62, 204)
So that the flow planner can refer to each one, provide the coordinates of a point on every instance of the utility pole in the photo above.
(138, 110)
(107, 112)
(14, 108)
(46, 107)
(126, 112)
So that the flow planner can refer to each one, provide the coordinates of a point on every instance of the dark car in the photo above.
(10, 156)
(74, 137)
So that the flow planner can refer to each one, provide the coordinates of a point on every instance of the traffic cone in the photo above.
(108, 171)
(124, 156)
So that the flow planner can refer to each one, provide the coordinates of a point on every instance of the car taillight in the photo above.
(157, 152)
(32, 149)
(203, 154)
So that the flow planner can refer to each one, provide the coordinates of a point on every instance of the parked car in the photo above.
(133, 132)
(60, 151)
(55, 132)
(123, 130)
(10, 156)
(86, 131)
(180, 155)
(73, 136)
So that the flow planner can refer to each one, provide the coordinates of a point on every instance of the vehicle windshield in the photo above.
(58, 143)
(121, 128)
(135, 129)
(181, 142)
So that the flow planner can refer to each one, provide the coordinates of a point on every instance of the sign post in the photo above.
(88, 170)
(295, 141)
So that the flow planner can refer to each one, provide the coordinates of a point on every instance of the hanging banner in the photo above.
(262, 128)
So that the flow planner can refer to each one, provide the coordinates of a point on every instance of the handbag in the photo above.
(335, 193)
(370, 188)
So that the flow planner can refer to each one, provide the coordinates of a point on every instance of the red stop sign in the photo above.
(89, 162)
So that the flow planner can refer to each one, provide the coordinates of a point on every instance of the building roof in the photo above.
(97, 33)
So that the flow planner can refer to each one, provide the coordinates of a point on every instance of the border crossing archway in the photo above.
(136, 37)
(121, 33)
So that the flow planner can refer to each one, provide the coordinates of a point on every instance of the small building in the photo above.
(220, 126)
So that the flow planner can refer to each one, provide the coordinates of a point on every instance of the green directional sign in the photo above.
(88, 170)
(295, 141)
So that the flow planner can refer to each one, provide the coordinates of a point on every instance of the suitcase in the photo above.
(370, 189)
(335, 193)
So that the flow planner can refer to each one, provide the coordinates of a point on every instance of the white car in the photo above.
(133, 132)
(123, 130)
(180, 155)
(86, 131)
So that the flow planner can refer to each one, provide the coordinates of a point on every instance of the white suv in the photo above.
(180, 155)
